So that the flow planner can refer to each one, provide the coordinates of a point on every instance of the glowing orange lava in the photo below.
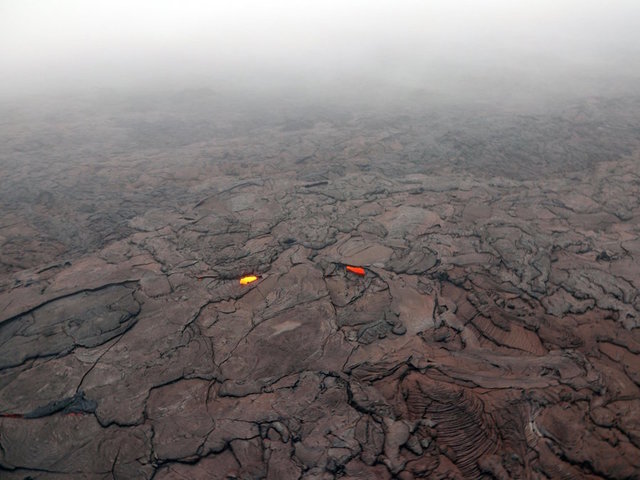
(248, 279)
(356, 270)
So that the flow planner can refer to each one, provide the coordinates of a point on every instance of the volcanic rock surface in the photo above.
(495, 333)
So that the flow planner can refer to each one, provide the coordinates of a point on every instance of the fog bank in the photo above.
(468, 48)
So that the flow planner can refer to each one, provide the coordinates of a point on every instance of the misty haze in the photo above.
(319, 240)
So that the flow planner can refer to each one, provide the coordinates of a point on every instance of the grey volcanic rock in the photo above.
(86, 319)
(494, 334)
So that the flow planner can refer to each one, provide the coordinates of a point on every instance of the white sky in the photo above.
(48, 44)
